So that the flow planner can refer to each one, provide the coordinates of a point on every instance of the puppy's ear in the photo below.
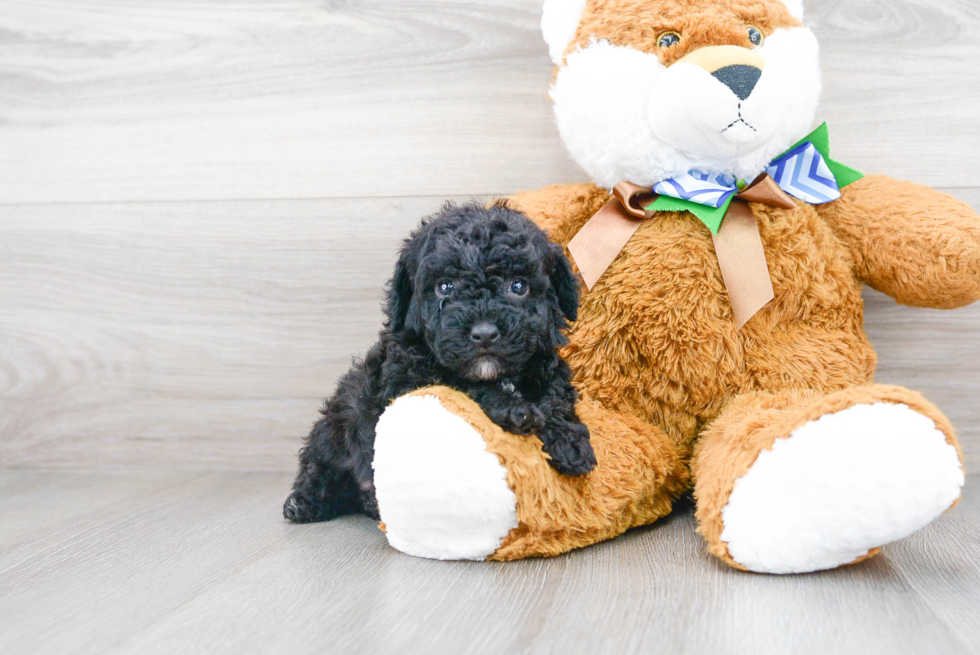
(564, 282)
(398, 309)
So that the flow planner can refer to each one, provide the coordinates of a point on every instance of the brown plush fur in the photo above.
(639, 23)
(920, 247)
(656, 340)
(638, 477)
(656, 337)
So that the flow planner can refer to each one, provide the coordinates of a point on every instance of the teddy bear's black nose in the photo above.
(740, 78)
(484, 334)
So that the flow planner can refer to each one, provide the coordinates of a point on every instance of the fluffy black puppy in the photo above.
(478, 302)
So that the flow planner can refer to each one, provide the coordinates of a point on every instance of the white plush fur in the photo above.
(625, 116)
(840, 486)
(559, 20)
(441, 494)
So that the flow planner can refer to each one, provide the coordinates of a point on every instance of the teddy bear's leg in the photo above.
(804, 481)
(453, 485)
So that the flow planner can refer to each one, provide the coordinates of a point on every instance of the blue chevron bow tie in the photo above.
(806, 171)
(801, 172)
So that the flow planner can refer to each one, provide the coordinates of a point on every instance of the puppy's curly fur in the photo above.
(479, 301)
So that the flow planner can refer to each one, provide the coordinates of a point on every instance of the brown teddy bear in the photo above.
(720, 344)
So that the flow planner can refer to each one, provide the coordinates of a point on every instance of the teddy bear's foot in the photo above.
(800, 481)
(451, 484)
(440, 493)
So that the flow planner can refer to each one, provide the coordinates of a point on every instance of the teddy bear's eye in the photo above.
(668, 39)
(518, 287)
(445, 288)
(755, 35)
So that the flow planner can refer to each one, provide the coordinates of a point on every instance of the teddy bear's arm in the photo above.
(919, 246)
(560, 210)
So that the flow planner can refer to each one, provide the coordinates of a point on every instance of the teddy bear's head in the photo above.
(646, 90)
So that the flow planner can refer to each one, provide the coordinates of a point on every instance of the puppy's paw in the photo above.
(301, 509)
(522, 418)
(569, 448)
(369, 504)
(526, 418)
(298, 509)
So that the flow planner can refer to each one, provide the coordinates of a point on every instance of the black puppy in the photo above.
(479, 302)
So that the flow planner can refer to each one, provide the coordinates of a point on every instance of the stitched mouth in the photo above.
(739, 120)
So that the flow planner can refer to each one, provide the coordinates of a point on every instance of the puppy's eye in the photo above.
(518, 288)
(755, 35)
(668, 39)
(445, 288)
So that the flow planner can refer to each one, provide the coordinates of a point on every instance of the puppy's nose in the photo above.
(484, 334)
(741, 79)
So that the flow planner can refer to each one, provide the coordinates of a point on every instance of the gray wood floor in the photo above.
(196, 562)
(199, 203)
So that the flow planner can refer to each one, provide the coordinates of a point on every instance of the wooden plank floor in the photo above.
(199, 203)
(177, 563)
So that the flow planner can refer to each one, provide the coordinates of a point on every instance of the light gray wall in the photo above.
(199, 205)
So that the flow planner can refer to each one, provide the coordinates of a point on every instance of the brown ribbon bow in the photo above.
(737, 244)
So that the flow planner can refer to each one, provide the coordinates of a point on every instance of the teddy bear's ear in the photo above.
(795, 7)
(559, 21)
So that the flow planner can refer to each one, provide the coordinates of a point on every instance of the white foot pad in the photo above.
(440, 493)
(838, 487)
